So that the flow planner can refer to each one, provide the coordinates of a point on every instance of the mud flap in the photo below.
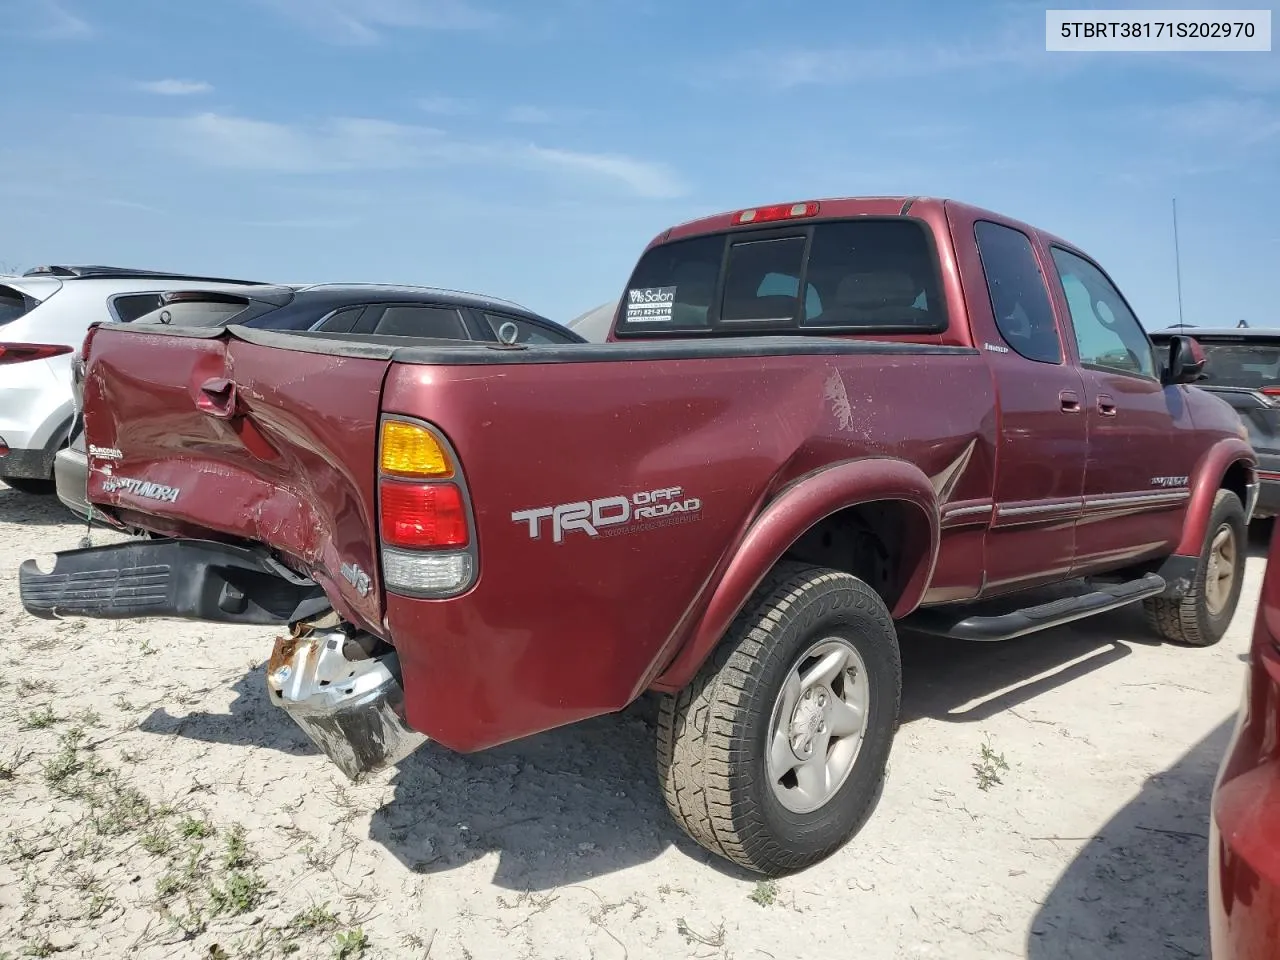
(183, 579)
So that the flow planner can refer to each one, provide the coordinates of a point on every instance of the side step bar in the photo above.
(962, 625)
(182, 579)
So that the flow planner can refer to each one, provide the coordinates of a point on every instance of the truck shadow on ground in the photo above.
(1138, 888)
(41, 510)
(583, 801)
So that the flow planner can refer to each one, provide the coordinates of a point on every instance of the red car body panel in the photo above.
(771, 436)
(1244, 842)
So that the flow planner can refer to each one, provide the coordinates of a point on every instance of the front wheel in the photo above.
(774, 755)
(1201, 616)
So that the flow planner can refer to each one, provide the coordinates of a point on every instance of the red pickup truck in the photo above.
(814, 423)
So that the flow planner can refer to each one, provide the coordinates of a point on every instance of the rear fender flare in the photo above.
(794, 510)
(1205, 484)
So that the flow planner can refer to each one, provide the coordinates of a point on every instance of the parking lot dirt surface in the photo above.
(154, 804)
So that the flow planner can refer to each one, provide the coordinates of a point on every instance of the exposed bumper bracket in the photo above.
(350, 704)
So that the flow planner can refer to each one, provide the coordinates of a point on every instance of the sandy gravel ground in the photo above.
(153, 804)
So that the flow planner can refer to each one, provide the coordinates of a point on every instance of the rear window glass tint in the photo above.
(1019, 297)
(194, 313)
(12, 305)
(1249, 365)
(867, 274)
(762, 279)
(873, 274)
(343, 321)
(414, 321)
(131, 306)
(673, 284)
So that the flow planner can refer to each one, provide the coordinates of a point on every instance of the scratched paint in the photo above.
(838, 397)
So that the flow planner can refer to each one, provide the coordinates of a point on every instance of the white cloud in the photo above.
(446, 106)
(346, 144)
(42, 20)
(787, 69)
(1223, 120)
(366, 21)
(175, 88)
(642, 177)
(531, 115)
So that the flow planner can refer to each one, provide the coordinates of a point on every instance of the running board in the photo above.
(961, 624)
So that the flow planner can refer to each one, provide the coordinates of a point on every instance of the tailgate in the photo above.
(197, 433)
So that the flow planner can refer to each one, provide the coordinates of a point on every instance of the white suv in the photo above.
(44, 316)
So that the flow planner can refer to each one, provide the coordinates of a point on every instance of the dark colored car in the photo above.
(812, 423)
(1243, 368)
(1244, 830)
(370, 310)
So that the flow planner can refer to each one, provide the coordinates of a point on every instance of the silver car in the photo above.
(44, 316)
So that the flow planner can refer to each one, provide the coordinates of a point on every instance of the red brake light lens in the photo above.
(780, 211)
(20, 352)
(1271, 391)
(423, 515)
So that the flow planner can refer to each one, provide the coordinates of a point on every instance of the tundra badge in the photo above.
(142, 488)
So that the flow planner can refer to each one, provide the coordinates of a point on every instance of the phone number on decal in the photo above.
(1159, 29)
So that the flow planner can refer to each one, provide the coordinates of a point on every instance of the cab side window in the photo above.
(1107, 333)
(1019, 298)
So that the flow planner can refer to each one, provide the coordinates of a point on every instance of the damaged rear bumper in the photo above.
(340, 685)
(183, 579)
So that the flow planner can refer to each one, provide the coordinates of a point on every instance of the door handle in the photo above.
(217, 398)
(1070, 401)
(1106, 406)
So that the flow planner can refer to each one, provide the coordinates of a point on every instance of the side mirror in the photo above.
(1186, 361)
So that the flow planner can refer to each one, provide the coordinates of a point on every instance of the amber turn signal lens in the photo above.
(409, 450)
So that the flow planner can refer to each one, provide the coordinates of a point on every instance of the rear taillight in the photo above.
(423, 516)
(21, 352)
(424, 513)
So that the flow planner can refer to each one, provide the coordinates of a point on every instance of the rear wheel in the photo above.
(29, 485)
(774, 755)
(1201, 616)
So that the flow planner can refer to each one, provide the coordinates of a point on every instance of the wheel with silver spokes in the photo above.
(817, 725)
(774, 755)
(1201, 615)
(1221, 573)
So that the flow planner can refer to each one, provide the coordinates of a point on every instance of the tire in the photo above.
(30, 485)
(1201, 616)
(715, 737)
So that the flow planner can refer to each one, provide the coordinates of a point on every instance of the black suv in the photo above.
(1242, 365)
(341, 309)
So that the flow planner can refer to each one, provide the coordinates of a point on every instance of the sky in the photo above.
(531, 150)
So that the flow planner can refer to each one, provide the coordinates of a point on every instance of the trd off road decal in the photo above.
(650, 304)
(142, 488)
(610, 516)
(1169, 481)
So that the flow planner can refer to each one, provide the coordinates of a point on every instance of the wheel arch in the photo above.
(1230, 464)
(841, 516)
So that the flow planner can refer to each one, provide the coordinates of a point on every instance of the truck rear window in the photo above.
(870, 275)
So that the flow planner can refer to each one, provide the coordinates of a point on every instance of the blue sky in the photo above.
(531, 150)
